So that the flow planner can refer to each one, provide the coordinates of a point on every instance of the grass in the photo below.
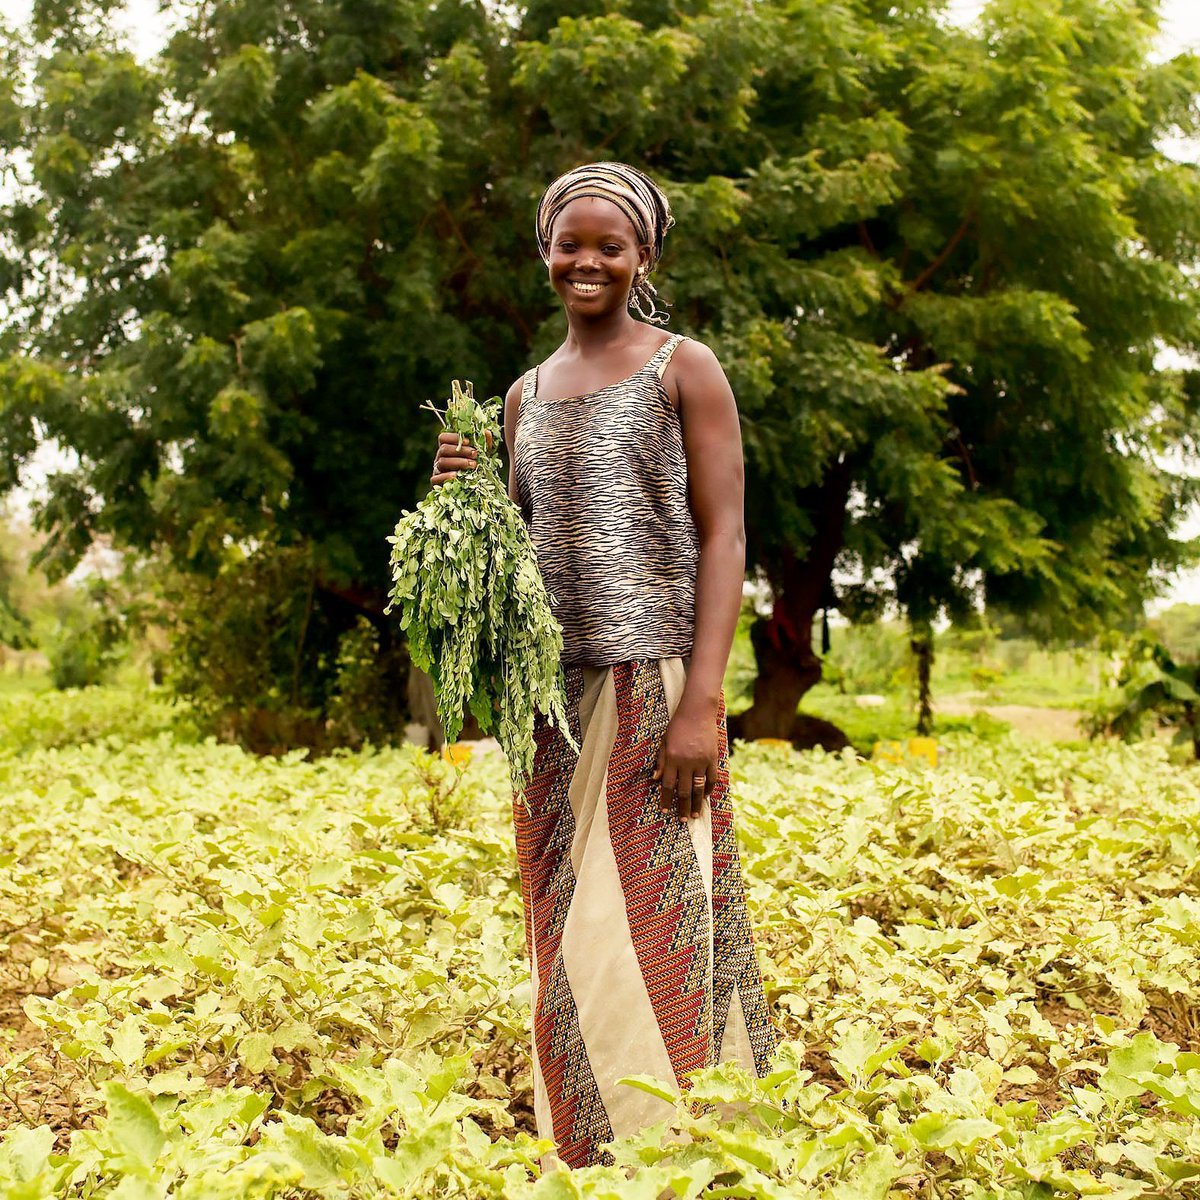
(894, 720)
(21, 683)
(876, 661)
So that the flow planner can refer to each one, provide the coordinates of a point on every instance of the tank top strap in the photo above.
(663, 356)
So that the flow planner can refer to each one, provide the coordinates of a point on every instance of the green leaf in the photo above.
(871, 1178)
(651, 1086)
(128, 1043)
(1176, 1170)
(937, 1130)
(26, 1151)
(1120, 1078)
(257, 1052)
(415, 1154)
(859, 1051)
(132, 1126)
(328, 1163)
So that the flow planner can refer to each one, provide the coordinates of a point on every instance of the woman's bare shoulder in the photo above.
(694, 364)
(694, 370)
(692, 352)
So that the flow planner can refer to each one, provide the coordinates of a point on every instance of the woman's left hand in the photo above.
(687, 762)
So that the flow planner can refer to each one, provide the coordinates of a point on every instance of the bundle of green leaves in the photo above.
(471, 598)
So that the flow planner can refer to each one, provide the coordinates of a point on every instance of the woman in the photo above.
(625, 458)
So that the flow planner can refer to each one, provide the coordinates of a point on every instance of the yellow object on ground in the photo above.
(917, 747)
(459, 753)
(923, 747)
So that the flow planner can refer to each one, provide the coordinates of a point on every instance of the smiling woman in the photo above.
(626, 461)
(623, 212)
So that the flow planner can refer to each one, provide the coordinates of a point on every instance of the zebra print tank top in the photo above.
(602, 481)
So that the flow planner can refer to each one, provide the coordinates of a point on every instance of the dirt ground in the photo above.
(1047, 724)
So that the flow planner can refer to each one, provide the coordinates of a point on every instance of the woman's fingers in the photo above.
(682, 789)
(683, 797)
(454, 453)
(447, 462)
(665, 774)
(452, 456)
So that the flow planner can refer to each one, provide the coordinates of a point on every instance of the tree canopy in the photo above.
(937, 263)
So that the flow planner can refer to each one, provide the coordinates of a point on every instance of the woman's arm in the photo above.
(712, 441)
(512, 410)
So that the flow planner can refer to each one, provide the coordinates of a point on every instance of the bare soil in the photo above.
(1045, 724)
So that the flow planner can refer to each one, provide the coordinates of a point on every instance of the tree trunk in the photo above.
(787, 668)
(922, 647)
(422, 706)
(783, 653)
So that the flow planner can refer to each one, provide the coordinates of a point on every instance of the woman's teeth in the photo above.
(588, 289)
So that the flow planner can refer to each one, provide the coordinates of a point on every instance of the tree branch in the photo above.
(947, 250)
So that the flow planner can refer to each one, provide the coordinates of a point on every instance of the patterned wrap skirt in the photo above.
(639, 944)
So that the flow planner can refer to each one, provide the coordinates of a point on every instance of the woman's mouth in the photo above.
(587, 289)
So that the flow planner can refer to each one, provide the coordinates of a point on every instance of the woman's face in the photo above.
(594, 257)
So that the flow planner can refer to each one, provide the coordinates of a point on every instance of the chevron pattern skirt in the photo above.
(639, 944)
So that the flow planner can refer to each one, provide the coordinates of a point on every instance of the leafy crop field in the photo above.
(229, 977)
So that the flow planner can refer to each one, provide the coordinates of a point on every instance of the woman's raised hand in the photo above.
(454, 454)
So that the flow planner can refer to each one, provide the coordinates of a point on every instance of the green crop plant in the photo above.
(226, 977)
(1152, 685)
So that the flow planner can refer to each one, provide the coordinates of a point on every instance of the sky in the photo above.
(1181, 30)
(1181, 21)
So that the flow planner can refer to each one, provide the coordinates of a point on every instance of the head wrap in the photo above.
(637, 196)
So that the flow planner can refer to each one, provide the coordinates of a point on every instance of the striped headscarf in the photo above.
(637, 196)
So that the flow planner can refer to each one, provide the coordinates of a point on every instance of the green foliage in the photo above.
(14, 624)
(20, 600)
(740, 669)
(894, 719)
(1177, 628)
(1150, 683)
(870, 658)
(50, 720)
(365, 706)
(266, 659)
(876, 658)
(280, 978)
(472, 600)
(92, 639)
(939, 259)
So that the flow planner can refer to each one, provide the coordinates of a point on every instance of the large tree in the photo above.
(937, 263)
